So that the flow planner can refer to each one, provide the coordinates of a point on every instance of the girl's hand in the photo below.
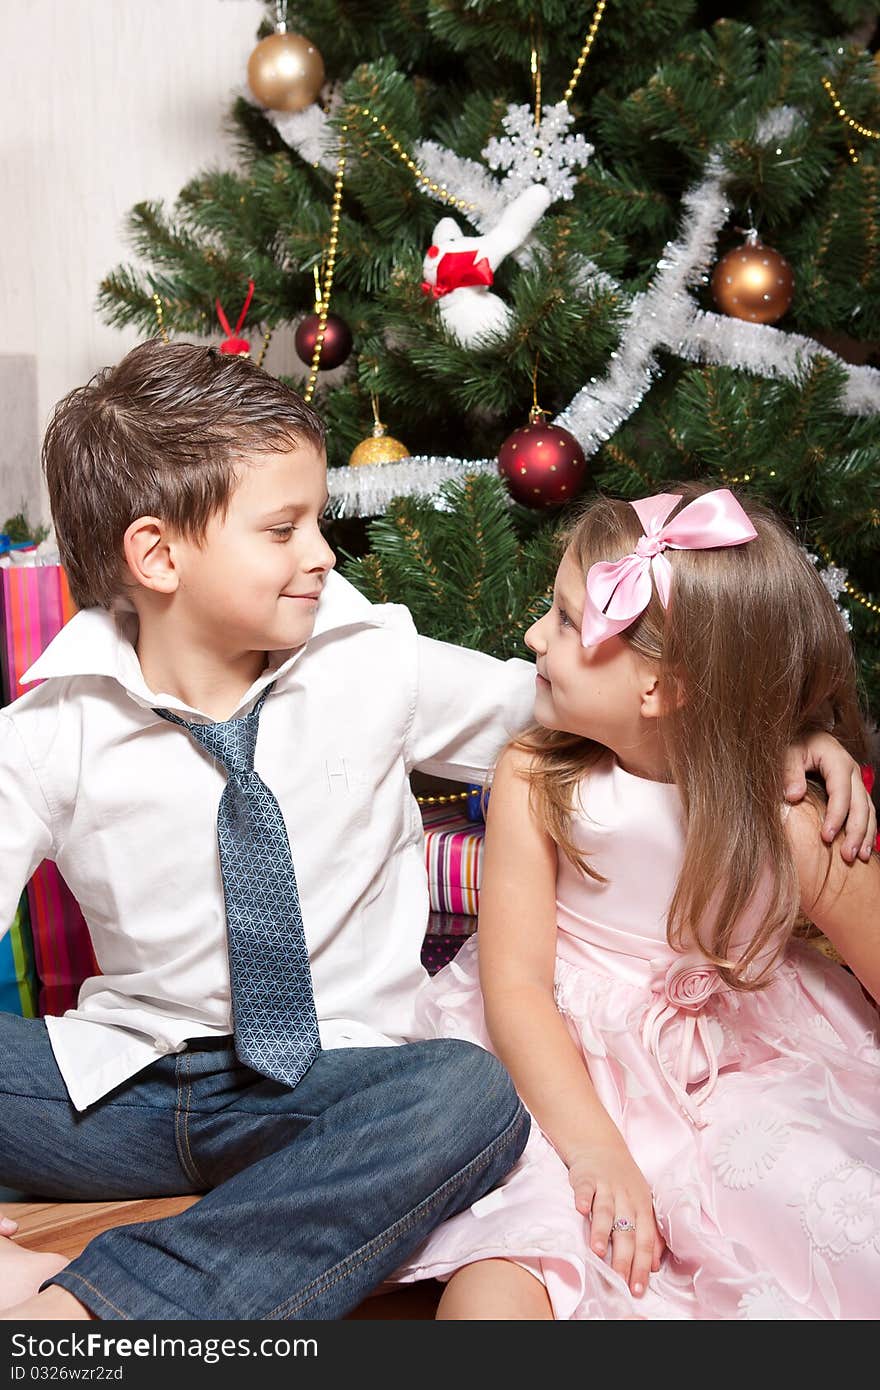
(848, 799)
(608, 1187)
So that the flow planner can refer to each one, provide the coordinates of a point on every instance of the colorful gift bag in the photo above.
(35, 604)
(18, 976)
(454, 857)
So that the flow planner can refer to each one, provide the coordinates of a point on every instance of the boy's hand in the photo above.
(848, 799)
(609, 1186)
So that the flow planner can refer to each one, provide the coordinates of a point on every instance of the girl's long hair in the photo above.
(752, 655)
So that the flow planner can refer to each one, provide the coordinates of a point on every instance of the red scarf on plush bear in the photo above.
(455, 269)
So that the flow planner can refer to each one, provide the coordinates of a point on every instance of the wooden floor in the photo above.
(66, 1227)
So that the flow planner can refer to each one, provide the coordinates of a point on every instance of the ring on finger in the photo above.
(623, 1223)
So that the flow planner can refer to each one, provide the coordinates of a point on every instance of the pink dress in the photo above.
(755, 1117)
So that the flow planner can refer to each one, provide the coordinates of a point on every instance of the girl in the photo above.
(707, 1087)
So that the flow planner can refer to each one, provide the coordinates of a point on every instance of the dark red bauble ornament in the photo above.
(338, 341)
(543, 465)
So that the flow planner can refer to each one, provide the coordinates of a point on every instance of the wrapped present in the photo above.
(18, 978)
(451, 924)
(35, 603)
(454, 857)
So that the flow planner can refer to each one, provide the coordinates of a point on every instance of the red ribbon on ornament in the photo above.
(868, 779)
(238, 347)
(456, 269)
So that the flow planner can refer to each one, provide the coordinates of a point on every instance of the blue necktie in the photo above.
(273, 1007)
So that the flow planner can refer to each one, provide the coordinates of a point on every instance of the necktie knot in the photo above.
(233, 742)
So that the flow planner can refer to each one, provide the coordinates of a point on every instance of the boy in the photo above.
(243, 1039)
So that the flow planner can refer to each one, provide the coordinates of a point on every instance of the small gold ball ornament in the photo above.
(380, 447)
(753, 282)
(285, 72)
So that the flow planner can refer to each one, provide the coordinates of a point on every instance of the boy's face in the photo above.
(254, 582)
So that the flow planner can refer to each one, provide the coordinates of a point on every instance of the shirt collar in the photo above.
(100, 643)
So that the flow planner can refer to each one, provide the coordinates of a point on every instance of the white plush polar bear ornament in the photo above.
(458, 270)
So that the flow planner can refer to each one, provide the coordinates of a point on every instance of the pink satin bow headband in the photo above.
(618, 591)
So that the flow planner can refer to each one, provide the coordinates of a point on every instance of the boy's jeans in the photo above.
(315, 1194)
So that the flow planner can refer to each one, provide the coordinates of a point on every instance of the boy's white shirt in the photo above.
(126, 803)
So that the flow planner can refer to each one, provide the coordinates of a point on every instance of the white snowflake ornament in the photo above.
(834, 578)
(543, 154)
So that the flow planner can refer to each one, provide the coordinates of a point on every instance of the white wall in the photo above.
(103, 103)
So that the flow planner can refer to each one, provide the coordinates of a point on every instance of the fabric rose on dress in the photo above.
(683, 988)
(690, 981)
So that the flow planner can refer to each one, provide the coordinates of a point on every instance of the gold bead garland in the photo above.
(742, 477)
(331, 263)
(848, 120)
(267, 338)
(438, 189)
(442, 800)
(535, 68)
(160, 318)
(585, 51)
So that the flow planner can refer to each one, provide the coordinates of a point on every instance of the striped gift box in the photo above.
(35, 603)
(454, 858)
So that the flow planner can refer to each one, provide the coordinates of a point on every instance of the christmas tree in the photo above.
(678, 213)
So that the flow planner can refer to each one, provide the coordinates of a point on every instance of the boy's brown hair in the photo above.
(160, 434)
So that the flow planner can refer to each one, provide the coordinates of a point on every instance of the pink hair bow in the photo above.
(618, 591)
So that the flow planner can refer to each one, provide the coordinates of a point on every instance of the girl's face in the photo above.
(608, 693)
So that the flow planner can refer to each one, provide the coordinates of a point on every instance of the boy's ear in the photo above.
(149, 555)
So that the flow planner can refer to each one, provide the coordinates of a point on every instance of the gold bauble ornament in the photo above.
(285, 72)
(753, 282)
(380, 447)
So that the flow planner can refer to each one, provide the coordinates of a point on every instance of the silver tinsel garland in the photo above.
(367, 490)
